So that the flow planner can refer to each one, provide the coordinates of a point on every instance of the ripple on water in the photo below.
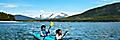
(76, 30)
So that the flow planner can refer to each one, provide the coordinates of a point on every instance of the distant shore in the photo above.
(68, 20)
(8, 21)
(55, 21)
(63, 20)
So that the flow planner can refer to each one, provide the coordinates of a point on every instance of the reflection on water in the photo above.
(77, 30)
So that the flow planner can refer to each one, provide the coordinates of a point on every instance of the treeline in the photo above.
(6, 17)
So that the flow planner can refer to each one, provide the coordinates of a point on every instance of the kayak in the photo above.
(49, 37)
(37, 36)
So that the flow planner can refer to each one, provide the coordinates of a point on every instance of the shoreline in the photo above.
(56, 21)
(8, 21)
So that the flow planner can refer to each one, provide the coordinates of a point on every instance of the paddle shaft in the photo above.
(49, 29)
(64, 34)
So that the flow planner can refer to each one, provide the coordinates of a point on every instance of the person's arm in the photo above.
(41, 33)
(47, 32)
(49, 29)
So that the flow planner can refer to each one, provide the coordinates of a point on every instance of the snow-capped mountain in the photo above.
(52, 15)
(61, 15)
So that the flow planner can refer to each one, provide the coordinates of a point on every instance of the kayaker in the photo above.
(44, 32)
(58, 34)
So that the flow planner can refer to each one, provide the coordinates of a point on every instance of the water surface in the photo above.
(76, 30)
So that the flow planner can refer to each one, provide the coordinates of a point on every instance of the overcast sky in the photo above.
(33, 8)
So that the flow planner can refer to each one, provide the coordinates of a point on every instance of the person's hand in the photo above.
(43, 35)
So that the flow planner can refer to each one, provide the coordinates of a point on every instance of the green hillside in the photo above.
(6, 17)
(110, 12)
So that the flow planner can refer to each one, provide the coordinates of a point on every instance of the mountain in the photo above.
(21, 17)
(61, 15)
(51, 16)
(109, 12)
(6, 17)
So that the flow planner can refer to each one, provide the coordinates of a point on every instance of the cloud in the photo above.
(8, 5)
(42, 11)
(2, 11)
(14, 5)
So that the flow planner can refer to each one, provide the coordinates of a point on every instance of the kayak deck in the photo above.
(49, 37)
(37, 36)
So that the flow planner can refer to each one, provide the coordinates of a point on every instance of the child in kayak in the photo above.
(43, 31)
(59, 34)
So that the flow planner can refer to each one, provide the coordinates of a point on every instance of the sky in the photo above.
(34, 8)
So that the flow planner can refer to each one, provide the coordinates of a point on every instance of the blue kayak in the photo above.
(50, 37)
(37, 36)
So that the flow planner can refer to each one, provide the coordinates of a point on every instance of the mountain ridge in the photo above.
(22, 17)
(110, 12)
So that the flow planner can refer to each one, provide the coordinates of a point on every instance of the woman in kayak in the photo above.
(59, 34)
(43, 31)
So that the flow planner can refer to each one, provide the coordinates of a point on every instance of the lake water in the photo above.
(76, 30)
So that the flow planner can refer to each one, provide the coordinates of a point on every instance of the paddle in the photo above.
(51, 25)
(64, 34)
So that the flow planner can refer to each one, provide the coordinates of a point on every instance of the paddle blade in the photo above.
(51, 24)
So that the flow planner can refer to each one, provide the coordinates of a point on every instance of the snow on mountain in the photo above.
(52, 15)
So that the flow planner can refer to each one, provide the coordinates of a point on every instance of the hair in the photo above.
(57, 31)
(43, 26)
